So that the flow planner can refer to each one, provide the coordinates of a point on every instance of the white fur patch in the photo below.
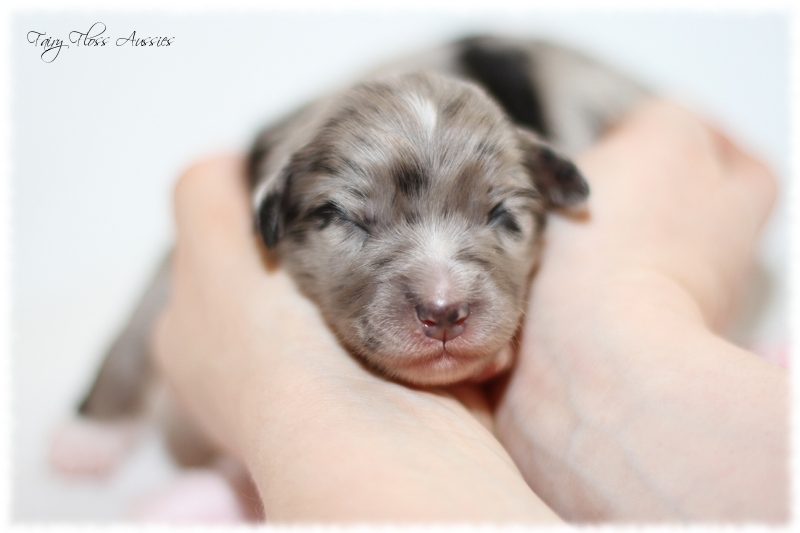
(260, 193)
(425, 111)
(438, 243)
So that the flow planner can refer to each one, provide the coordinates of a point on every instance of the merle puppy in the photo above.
(410, 206)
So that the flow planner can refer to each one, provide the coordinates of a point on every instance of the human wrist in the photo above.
(618, 401)
(628, 299)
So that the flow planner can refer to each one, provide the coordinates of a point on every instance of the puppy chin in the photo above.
(439, 372)
(433, 364)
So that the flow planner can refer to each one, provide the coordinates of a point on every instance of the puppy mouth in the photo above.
(431, 360)
(441, 366)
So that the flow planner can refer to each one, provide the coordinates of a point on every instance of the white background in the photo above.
(99, 135)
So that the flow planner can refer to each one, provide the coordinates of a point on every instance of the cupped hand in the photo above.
(625, 402)
(253, 362)
(675, 210)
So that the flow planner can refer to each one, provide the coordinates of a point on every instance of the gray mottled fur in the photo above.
(383, 245)
(381, 196)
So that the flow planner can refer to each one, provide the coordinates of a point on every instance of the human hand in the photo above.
(254, 363)
(674, 213)
(625, 404)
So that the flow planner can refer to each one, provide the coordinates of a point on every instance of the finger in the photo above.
(210, 197)
(660, 117)
(657, 128)
(678, 127)
(212, 213)
(755, 182)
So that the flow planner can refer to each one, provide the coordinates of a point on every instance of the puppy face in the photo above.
(412, 218)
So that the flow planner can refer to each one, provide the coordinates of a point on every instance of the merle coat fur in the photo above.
(410, 206)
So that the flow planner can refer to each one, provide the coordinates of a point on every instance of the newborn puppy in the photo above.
(411, 216)
(410, 206)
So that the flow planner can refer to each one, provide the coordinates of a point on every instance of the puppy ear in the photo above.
(269, 201)
(269, 187)
(269, 221)
(558, 179)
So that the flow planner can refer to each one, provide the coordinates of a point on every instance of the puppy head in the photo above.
(412, 219)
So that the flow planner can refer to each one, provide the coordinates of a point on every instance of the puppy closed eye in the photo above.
(501, 217)
(330, 212)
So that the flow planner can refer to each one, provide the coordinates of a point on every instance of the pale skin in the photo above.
(624, 403)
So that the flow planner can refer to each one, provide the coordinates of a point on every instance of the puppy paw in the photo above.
(774, 351)
(87, 448)
(197, 496)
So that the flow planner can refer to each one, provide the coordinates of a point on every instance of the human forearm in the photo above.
(319, 452)
(624, 404)
(627, 419)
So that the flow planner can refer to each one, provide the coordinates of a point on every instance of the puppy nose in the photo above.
(443, 321)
